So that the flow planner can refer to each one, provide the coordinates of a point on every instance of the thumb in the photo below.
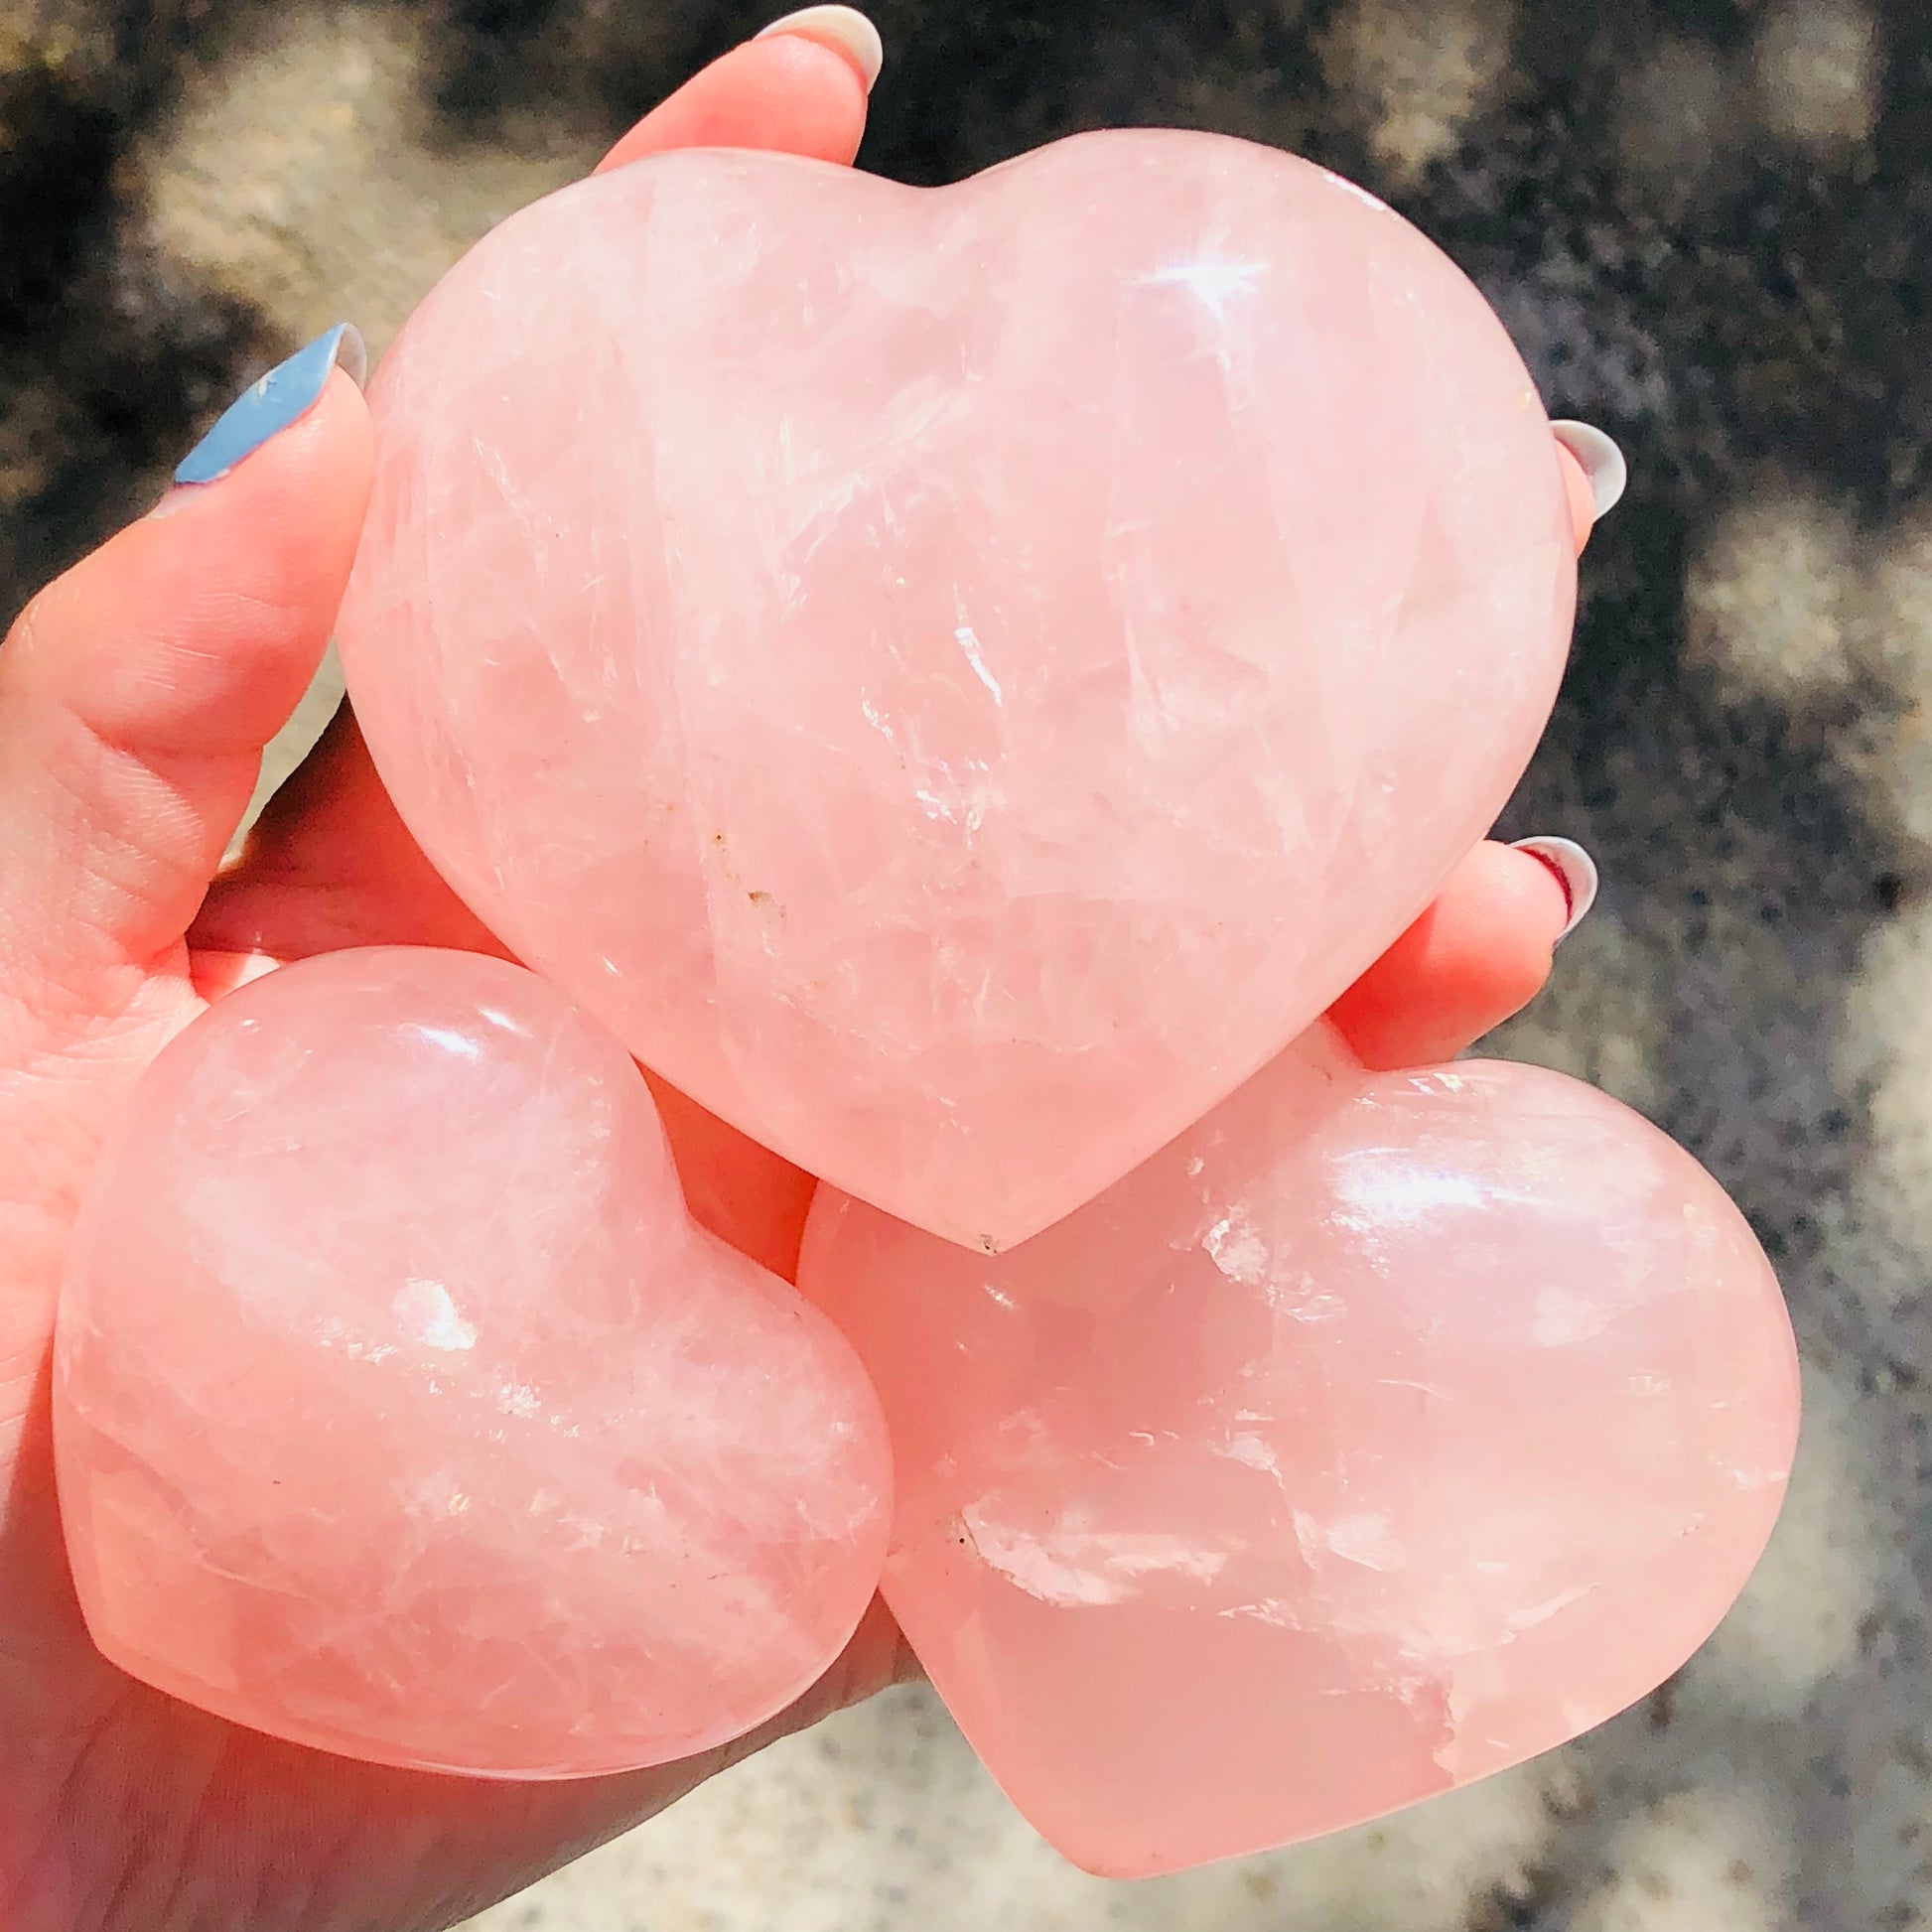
(137, 691)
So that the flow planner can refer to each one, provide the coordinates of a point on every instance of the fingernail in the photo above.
(1602, 462)
(845, 28)
(287, 391)
(1576, 873)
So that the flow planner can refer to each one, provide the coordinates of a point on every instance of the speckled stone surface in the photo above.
(1709, 224)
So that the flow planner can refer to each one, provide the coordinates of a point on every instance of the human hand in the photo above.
(136, 695)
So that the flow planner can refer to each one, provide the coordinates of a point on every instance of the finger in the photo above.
(746, 1196)
(1478, 954)
(329, 865)
(799, 88)
(138, 690)
(1594, 475)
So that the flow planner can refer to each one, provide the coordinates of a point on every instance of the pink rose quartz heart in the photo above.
(403, 1411)
(957, 678)
(1382, 1431)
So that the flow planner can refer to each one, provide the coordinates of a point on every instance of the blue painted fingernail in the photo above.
(287, 391)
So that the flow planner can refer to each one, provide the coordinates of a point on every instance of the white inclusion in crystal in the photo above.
(1236, 1247)
(439, 1495)
(1212, 284)
(1563, 1317)
(1520, 1620)
(427, 1316)
(1293, 1292)
(1071, 1566)
(968, 643)
(1267, 1609)
(1366, 1539)
(967, 639)
(1254, 1450)
(589, 1534)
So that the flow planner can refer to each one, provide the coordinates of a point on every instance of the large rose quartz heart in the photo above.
(401, 1410)
(1382, 1431)
(958, 678)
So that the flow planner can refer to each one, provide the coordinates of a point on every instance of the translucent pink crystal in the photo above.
(958, 678)
(403, 1411)
(1380, 1431)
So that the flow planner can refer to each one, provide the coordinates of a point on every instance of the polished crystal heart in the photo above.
(957, 678)
(1382, 1431)
(401, 1410)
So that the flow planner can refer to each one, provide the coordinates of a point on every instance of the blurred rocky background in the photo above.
(1709, 224)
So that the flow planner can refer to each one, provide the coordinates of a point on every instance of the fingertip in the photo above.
(1480, 953)
(1504, 898)
(753, 1200)
(845, 29)
(1581, 499)
(267, 406)
(319, 452)
(198, 626)
(280, 529)
(1594, 458)
(788, 93)
(1498, 925)
(139, 688)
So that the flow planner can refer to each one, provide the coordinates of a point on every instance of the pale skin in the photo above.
(136, 695)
